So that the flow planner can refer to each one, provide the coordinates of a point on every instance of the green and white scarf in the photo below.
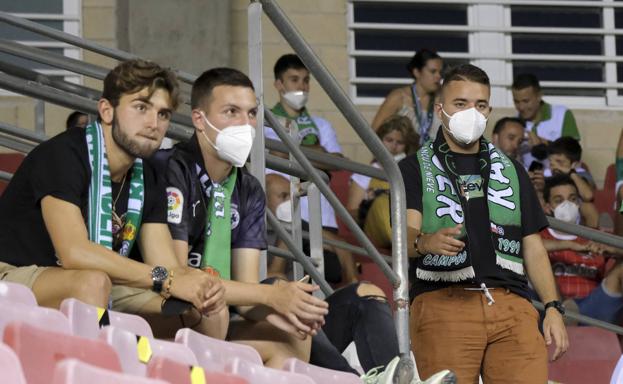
(444, 208)
(100, 195)
(309, 134)
(216, 257)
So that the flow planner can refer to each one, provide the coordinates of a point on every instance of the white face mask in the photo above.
(284, 211)
(296, 99)
(233, 143)
(466, 126)
(568, 212)
(399, 156)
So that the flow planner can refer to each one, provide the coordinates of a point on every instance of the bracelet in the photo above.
(416, 242)
(167, 290)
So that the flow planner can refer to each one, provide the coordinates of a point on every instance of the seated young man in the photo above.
(564, 157)
(292, 82)
(216, 217)
(578, 264)
(75, 208)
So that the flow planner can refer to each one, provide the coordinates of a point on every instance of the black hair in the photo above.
(567, 146)
(466, 72)
(556, 180)
(285, 62)
(525, 80)
(499, 125)
(204, 84)
(72, 119)
(419, 60)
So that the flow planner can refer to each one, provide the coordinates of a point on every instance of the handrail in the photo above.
(361, 126)
(586, 232)
(330, 160)
(22, 133)
(79, 42)
(52, 59)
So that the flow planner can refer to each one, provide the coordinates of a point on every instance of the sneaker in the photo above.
(400, 371)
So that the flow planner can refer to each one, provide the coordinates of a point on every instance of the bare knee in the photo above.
(614, 280)
(92, 287)
(369, 289)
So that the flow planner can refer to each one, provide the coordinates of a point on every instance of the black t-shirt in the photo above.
(188, 184)
(477, 225)
(60, 168)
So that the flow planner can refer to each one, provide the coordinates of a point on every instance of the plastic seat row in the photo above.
(77, 329)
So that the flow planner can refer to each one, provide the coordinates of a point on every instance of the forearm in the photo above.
(121, 270)
(539, 271)
(556, 245)
(584, 188)
(247, 294)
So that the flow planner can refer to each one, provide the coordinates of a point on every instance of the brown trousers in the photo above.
(456, 329)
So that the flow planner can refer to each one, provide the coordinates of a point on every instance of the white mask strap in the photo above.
(211, 126)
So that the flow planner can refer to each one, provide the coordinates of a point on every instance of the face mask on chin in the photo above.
(296, 99)
(233, 143)
(466, 126)
(568, 212)
(399, 156)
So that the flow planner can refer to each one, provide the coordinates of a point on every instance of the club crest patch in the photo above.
(175, 205)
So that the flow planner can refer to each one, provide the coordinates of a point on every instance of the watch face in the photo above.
(159, 274)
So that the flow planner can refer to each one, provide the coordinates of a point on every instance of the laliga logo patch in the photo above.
(175, 204)
(235, 216)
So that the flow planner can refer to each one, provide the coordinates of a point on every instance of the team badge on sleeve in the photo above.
(175, 205)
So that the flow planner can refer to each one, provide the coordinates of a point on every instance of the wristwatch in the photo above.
(556, 304)
(158, 276)
(416, 241)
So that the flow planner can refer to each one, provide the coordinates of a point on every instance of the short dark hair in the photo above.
(212, 78)
(285, 62)
(567, 146)
(72, 119)
(556, 180)
(525, 80)
(466, 72)
(421, 57)
(134, 75)
(499, 126)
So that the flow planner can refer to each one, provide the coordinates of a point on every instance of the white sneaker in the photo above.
(401, 371)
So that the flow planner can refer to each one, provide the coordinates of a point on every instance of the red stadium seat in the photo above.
(72, 371)
(160, 367)
(10, 366)
(258, 374)
(17, 292)
(86, 320)
(592, 356)
(136, 352)
(39, 351)
(214, 354)
(46, 318)
(320, 375)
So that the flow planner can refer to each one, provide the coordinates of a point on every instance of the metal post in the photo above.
(298, 254)
(40, 117)
(316, 251)
(295, 200)
(254, 16)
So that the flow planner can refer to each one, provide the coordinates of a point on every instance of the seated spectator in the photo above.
(292, 83)
(83, 200)
(416, 101)
(544, 122)
(216, 217)
(368, 199)
(508, 134)
(77, 119)
(359, 313)
(564, 157)
(578, 264)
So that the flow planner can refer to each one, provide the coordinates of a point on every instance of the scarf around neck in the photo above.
(309, 134)
(100, 195)
(443, 207)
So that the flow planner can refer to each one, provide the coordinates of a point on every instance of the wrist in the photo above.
(556, 306)
(418, 244)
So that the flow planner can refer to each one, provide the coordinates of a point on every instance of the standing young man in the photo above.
(216, 216)
(80, 202)
(474, 222)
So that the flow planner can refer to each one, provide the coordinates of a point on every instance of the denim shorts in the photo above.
(602, 305)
